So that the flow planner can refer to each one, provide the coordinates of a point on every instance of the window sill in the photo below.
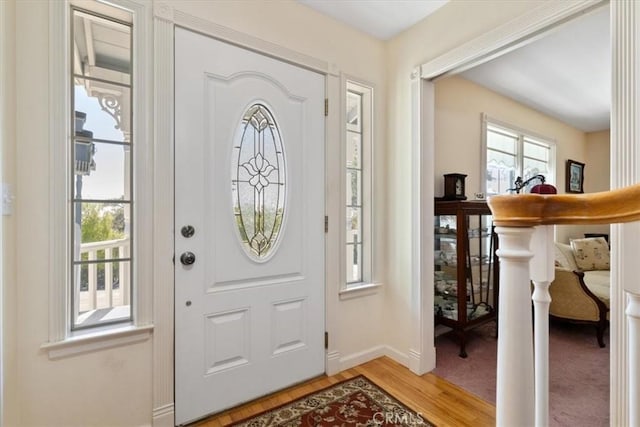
(359, 290)
(94, 341)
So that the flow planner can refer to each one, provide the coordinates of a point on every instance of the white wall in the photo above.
(8, 156)
(453, 24)
(114, 387)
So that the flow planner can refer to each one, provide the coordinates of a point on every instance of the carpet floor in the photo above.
(578, 371)
(353, 402)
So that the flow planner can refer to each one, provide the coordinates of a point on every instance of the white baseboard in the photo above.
(333, 362)
(396, 355)
(365, 356)
(164, 416)
(422, 363)
(361, 357)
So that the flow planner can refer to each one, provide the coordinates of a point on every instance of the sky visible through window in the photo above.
(101, 123)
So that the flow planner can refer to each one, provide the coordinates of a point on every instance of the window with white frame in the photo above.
(510, 153)
(358, 155)
(101, 174)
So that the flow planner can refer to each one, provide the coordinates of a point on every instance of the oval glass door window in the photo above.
(258, 182)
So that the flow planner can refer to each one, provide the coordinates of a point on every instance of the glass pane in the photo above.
(535, 167)
(100, 171)
(102, 110)
(258, 182)
(501, 172)
(102, 48)
(354, 263)
(354, 112)
(354, 187)
(501, 142)
(354, 150)
(536, 151)
(354, 225)
(103, 225)
(102, 293)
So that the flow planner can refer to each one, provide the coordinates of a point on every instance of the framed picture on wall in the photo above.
(574, 177)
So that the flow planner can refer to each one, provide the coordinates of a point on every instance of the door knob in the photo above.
(187, 258)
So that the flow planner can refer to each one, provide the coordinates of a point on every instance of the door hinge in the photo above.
(326, 223)
(326, 107)
(326, 340)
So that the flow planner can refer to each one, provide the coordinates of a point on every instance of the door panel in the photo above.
(249, 177)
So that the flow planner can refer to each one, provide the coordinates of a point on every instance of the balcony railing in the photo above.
(524, 227)
(113, 289)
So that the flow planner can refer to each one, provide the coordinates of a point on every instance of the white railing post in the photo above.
(89, 299)
(125, 276)
(542, 274)
(514, 388)
(108, 276)
(633, 323)
(92, 287)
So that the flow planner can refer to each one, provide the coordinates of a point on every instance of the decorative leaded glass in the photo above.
(258, 181)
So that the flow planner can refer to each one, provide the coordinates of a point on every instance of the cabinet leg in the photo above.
(463, 344)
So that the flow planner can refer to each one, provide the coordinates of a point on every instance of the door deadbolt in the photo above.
(187, 258)
(187, 231)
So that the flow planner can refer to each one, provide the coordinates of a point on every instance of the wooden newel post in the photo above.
(515, 381)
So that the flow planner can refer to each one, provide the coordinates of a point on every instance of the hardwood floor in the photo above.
(441, 402)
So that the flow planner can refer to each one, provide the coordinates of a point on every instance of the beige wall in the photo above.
(596, 178)
(459, 105)
(597, 159)
(8, 288)
(114, 387)
(455, 23)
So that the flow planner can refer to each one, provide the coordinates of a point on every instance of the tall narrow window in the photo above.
(511, 153)
(101, 178)
(358, 159)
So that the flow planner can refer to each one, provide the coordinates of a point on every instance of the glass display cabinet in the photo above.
(466, 266)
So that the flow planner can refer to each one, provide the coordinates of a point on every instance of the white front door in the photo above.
(249, 212)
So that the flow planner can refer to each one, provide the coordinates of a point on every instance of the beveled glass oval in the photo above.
(258, 182)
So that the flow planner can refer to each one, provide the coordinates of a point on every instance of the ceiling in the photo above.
(566, 74)
(381, 19)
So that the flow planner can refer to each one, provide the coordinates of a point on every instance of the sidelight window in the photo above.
(101, 178)
(358, 158)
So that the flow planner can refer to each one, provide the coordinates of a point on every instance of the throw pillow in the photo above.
(564, 256)
(591, 253)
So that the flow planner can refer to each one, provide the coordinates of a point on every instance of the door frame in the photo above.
(624, 166)
(166, 18)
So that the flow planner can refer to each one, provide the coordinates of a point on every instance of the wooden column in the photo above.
(542, 274)
(514, 391)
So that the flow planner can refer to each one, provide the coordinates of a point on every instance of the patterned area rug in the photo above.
(354, 402)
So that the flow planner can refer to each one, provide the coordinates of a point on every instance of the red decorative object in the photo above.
(544, 189)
